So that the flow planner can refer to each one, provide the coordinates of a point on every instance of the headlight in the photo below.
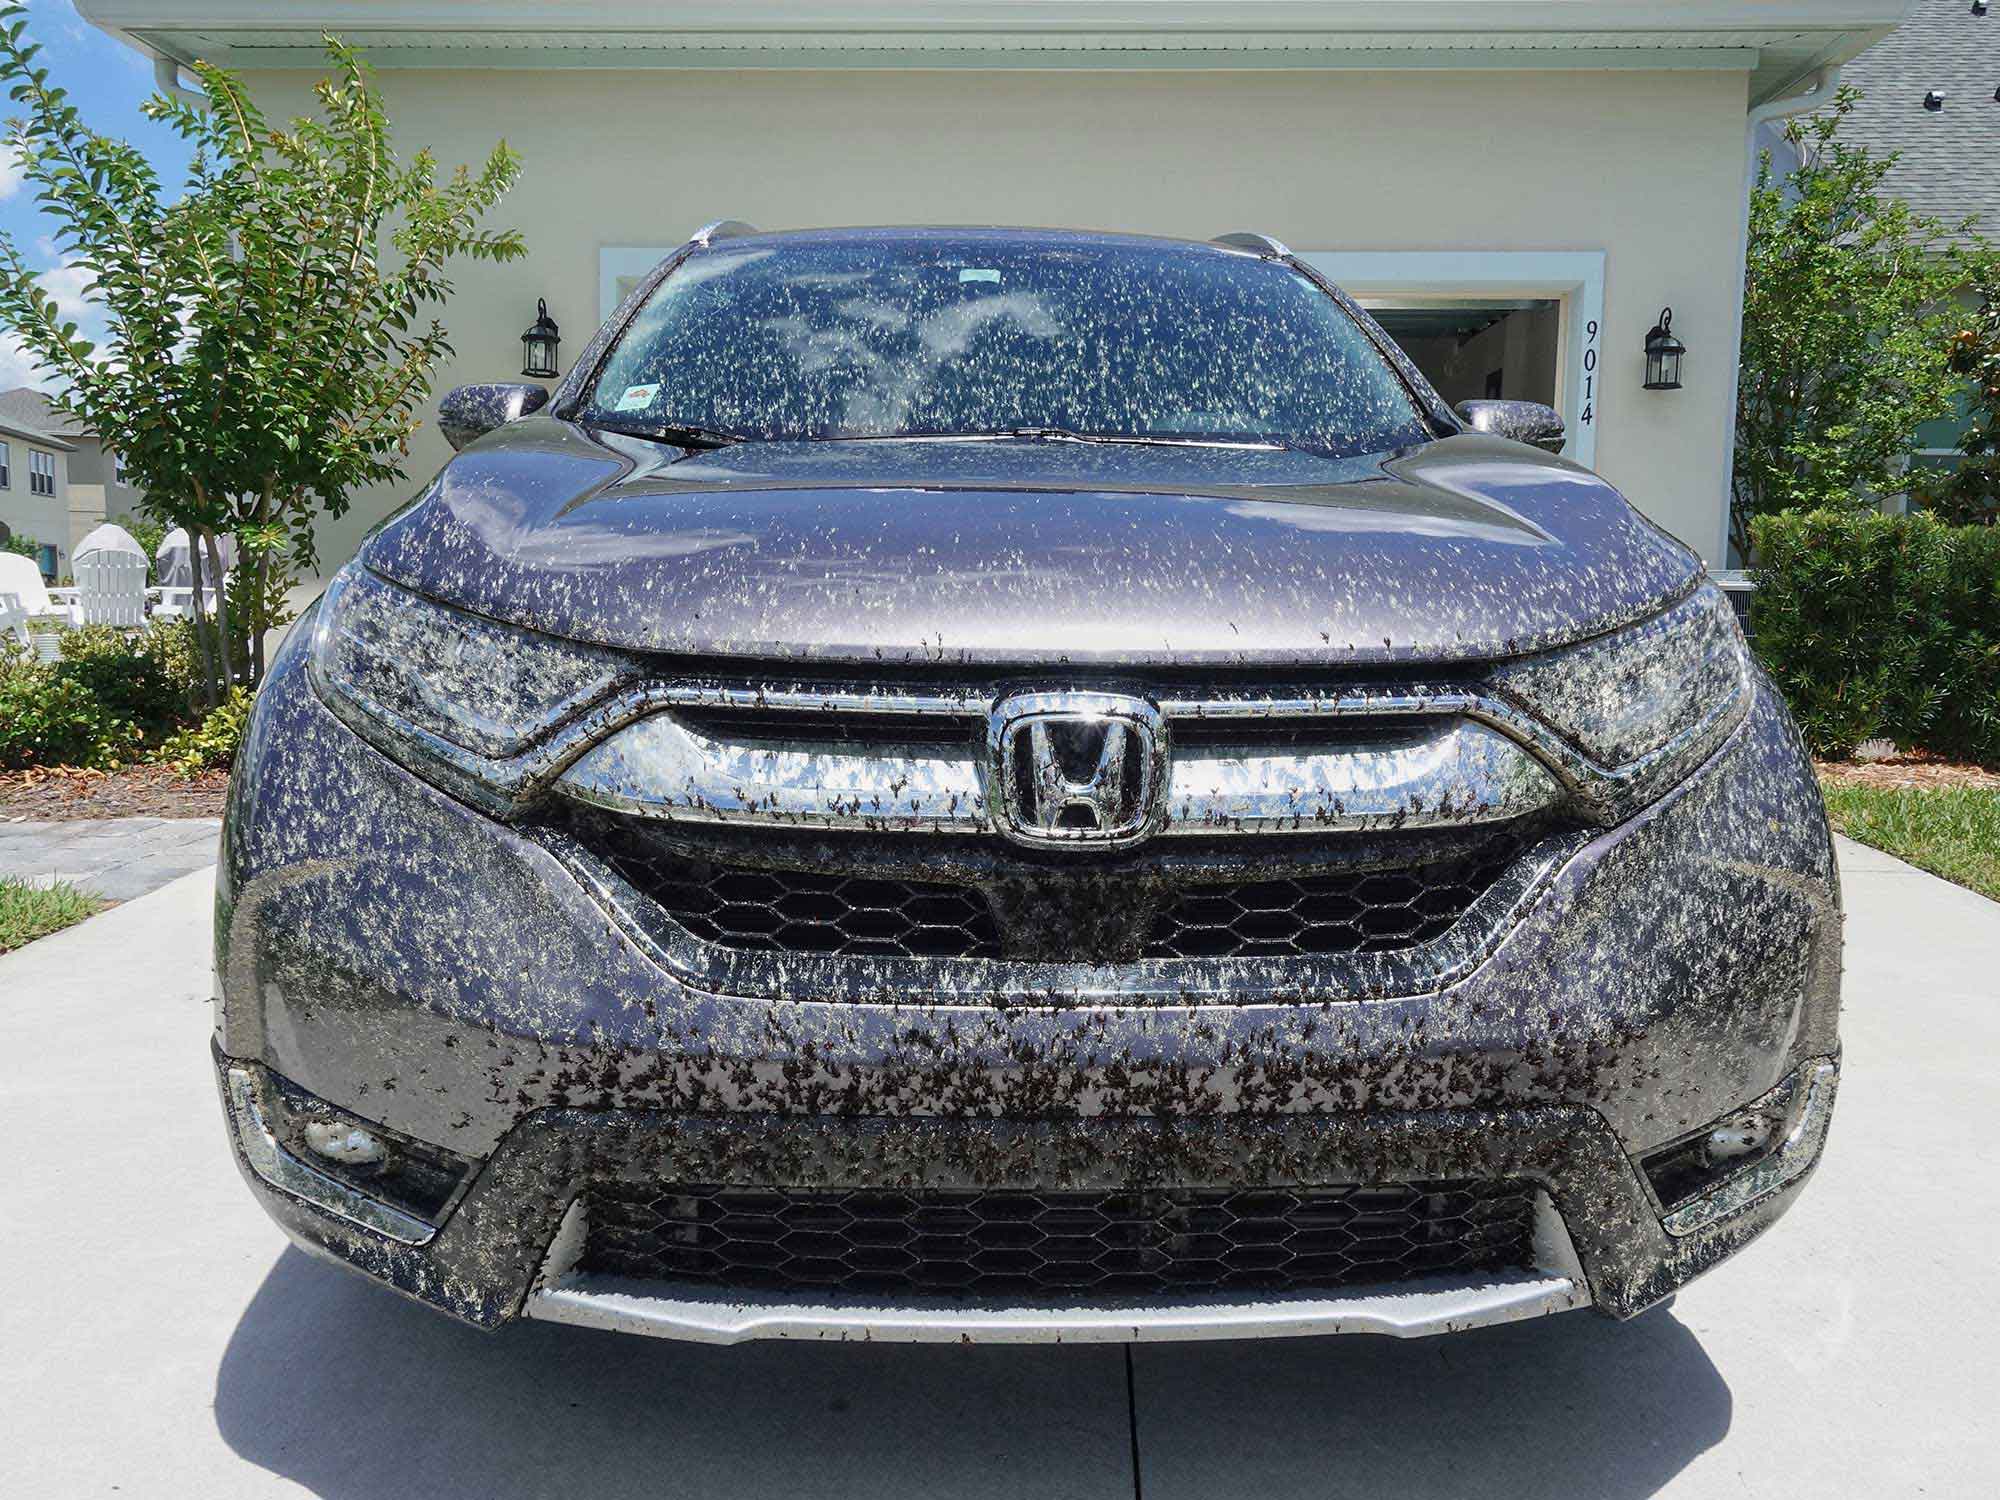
(464, 700)
(1644, 704)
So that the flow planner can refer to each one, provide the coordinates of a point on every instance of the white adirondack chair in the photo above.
(28, 617)
(110, 568)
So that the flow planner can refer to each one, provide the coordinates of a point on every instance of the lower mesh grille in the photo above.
(1006, 1243)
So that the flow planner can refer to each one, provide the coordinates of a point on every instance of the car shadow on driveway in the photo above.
(351, 1392)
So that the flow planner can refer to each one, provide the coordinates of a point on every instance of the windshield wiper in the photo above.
(674, 432)
(1065, 435)
(1145, 439)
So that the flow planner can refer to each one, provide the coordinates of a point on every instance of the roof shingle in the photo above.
(1950, 157)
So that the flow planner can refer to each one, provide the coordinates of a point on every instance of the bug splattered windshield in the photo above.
(967, 335)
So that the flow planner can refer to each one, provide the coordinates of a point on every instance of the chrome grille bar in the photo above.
(1446, 767)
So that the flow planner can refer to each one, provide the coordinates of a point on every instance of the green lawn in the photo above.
(1950, 831)
(31, 911)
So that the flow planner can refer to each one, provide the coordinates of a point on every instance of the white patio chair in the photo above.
(31, 616)
(110, 589)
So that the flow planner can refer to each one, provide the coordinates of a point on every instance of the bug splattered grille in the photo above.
(807, 897)
(1361, 911)
(1008, 1243)
(805, 911)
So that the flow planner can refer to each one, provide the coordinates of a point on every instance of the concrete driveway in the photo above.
(158, 1338)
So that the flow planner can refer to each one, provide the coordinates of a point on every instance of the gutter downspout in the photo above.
(1819, 90)
(167, 79)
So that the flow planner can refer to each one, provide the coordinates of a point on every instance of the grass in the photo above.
(1953, 832)
(31, 911)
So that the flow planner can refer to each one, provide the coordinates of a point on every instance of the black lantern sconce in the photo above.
(539, 344)
(1663, 354)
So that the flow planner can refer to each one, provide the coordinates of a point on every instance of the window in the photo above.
(41, 472)
(6, 466)
(118, 468)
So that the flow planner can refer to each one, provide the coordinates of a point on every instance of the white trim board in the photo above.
(1576, 277)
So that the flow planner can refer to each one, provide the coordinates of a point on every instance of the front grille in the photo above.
(1360, 911)
(769, 895)
(1010, 1243)
(805, 911)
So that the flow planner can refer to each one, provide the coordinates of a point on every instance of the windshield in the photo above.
(962, 335)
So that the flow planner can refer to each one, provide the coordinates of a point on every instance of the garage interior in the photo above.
(1478, 348)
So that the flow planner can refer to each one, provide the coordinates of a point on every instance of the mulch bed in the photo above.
(1912, 770)
(60, 793)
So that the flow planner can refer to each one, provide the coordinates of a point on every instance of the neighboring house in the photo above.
(1517, 186)
(1930, 94)
(34, 492)
(98, 491)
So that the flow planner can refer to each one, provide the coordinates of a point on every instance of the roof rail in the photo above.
(721, 229)
(1256, 244)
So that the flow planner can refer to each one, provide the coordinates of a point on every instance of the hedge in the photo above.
(1882, 627)
(110, 696)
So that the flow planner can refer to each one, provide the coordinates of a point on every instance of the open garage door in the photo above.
(1498, 349)
(1523, 324)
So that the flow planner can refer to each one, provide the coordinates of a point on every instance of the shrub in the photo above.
(214, 741)
(144, 679)
(23, 546)
(108, 695)
(1882, 627)
(49, 719)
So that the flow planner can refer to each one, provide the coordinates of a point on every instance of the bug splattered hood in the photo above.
(1030, 550)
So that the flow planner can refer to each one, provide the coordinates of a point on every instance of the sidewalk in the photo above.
(163, 1341)
(119, 858)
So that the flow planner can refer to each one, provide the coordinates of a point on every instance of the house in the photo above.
(1518, 187)
(98, 490)
(1931, 95)
(34, 492)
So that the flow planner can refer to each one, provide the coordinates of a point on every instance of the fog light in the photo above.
(353, 1146)
(1739, 1136)
(412, 1176)
(1744, 1155)
(1738, 1140)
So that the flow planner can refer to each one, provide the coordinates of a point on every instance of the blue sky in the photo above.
(107, 82)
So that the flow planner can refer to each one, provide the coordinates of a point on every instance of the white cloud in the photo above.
(66, 283)
(16, 368)
(11, 178)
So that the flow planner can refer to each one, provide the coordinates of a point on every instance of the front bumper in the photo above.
(421, 966)
(509, 1245)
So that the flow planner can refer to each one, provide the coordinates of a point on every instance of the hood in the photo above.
(1030, 551)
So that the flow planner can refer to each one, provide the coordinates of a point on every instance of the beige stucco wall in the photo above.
(1645, 166)
(86, 511)
(43, 517)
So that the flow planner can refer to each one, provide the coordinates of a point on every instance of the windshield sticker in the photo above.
(978, 273)
(638, 397)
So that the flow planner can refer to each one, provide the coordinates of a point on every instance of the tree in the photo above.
(1847, 320)
(272, 329)
(1969, 495)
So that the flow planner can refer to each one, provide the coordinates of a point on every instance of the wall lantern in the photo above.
(539, 344)
(1663, 354)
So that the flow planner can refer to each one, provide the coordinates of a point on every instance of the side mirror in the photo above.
(470, 411)
(1527, 422)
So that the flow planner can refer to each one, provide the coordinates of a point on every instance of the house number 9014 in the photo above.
(1589, 413)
